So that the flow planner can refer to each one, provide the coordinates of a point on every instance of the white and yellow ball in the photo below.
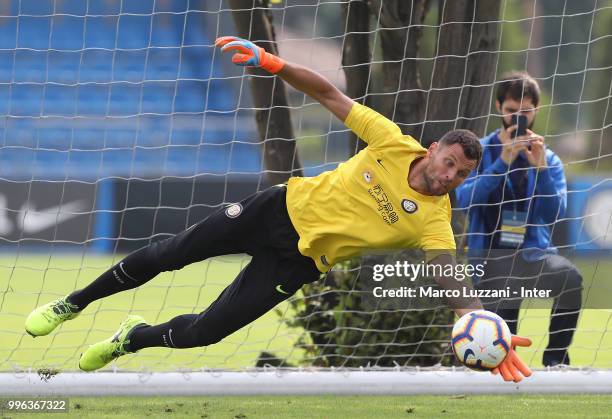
(481, 340)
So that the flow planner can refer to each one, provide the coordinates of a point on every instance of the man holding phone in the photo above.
(513, 199)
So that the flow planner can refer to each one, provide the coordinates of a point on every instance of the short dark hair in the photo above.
(467, 140)
(517, 85)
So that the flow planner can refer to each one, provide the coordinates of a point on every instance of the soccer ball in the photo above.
(481, 340)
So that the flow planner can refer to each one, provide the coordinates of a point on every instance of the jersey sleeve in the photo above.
(438, 237)
(376, 130)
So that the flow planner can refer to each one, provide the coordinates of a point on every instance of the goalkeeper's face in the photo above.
(447, 167)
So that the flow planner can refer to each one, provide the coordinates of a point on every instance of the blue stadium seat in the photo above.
(120, 138)
(190, 96)
(96, 66)
(182, 159)
(36, 7)
(147, 160)
(195, 30)
(21, 132)
(129, 65)
(163, 63)
(124, 99)
(134, 32)
(67, 33)
(53, 159)
(26, 99)
(83, 164)
(7, 59)
(214, 158)
(246, 158)
(30, 66)
(60, 100)
(105, 7)
(93, 99)
(5, 99)
(154, 130)
(75, 7)
(8, 32)
(101, 31)
(167, 30)
(218, 99)
(216, 132)
(196, 63)
(185, 136)
(14, 160)
(158, 97)
(137, 6)
(55, 138)
(34, 32)
(174, 6)
(88, 138)
(141, 90)
(64, 66)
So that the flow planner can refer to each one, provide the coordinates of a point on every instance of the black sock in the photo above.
(173, 334)
(114, 280)
(131, 272)
(561, 331)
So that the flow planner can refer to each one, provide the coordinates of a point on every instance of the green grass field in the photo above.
(511, 406)
(27, 281)
(187, 291)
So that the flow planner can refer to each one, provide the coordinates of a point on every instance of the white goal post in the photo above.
(304, 382)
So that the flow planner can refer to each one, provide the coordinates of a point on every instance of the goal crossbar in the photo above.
(303, 382)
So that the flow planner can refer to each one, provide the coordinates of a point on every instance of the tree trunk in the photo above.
(462, 83)
(356, 58)
(403, 101)
(463, 74)
(269, 95)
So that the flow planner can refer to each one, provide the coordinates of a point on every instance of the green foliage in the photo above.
(339, 331)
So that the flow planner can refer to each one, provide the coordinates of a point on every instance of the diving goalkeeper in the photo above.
(392, 194)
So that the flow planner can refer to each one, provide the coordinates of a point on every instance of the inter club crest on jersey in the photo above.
(367, 176)
(233, 210)
(409, 206)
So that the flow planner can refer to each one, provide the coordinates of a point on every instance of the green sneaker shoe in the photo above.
(101, 353)
(45, 319)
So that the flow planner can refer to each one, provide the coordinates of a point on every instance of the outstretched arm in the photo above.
(300, 77)
(317, 87)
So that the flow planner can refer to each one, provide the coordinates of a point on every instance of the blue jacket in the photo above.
(547, 191)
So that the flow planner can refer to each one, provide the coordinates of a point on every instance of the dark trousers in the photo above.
(259, 226)
(555, 273)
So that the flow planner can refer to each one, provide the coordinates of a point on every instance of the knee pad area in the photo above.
(204, 337)
(164, 256)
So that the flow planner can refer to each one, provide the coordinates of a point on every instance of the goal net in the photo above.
(121, 125)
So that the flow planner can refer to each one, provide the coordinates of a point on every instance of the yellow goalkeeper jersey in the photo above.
(366, 203)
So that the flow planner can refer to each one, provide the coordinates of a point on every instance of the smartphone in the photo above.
(521, 122)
